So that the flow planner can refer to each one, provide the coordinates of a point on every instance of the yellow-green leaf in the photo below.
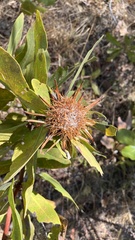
(41, 90)
(40, 66)
(57, 186)
(110, 131)
(17, 232)
(16, 34)
(52, 159)
(87, 155)
(43, 209)
(5, 97)
(25, 150)
(27, 187)
(11, 76)
(129, 152)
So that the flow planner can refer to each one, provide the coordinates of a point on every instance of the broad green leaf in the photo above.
(41, 63)
(126, 137)
(82, 64)
(40, 66)
(4, 148)
(13, 139)
(29, 228)
(40, 34)
(87, 155)
(28, 185)
(11, 76)
(5, 97)
(90, 148)
(44, 209)
(52, 159)
(41, 90)
(129, 152)
(3, 199)
(4, 137)
(17, 232)
(27, 56)
(12, 122)
(16, 34)
(20, 53)
(4, 187)
(25, 150)
(57, 186)
(4, 166)
(111, 131)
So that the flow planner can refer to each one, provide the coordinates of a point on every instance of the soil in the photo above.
(106, 204)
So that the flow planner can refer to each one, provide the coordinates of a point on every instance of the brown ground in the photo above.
(107, 204)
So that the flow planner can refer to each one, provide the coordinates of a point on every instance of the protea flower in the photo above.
(67, 119)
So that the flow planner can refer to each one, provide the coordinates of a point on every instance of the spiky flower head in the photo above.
(67, 117)
(68, 122)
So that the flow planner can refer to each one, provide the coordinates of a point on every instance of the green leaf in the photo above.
(4, 166)
(4, 137)
(41, 90)
(111, 131)
(29, 8)
(52, 159)
(25, 150)
(4, 148)
(5, 97)
(129, 152)
(57, 186)
(26, 56)
(96, 73)
(4, 204)
(40, 66)
(131, 56)
(3, 200)
(113, 53)
(27, 187)
(44, 209)
(113, 40)
(82, 64)
(95, 88)
(87, 155)
(40, 34)
(2, 217)
(17, 232)
(4, 187)
(126, 137)
(11, 76)
(16, 34)
(12, 122)
(29, 228)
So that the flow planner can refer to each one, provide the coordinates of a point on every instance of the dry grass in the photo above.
(73, 25)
